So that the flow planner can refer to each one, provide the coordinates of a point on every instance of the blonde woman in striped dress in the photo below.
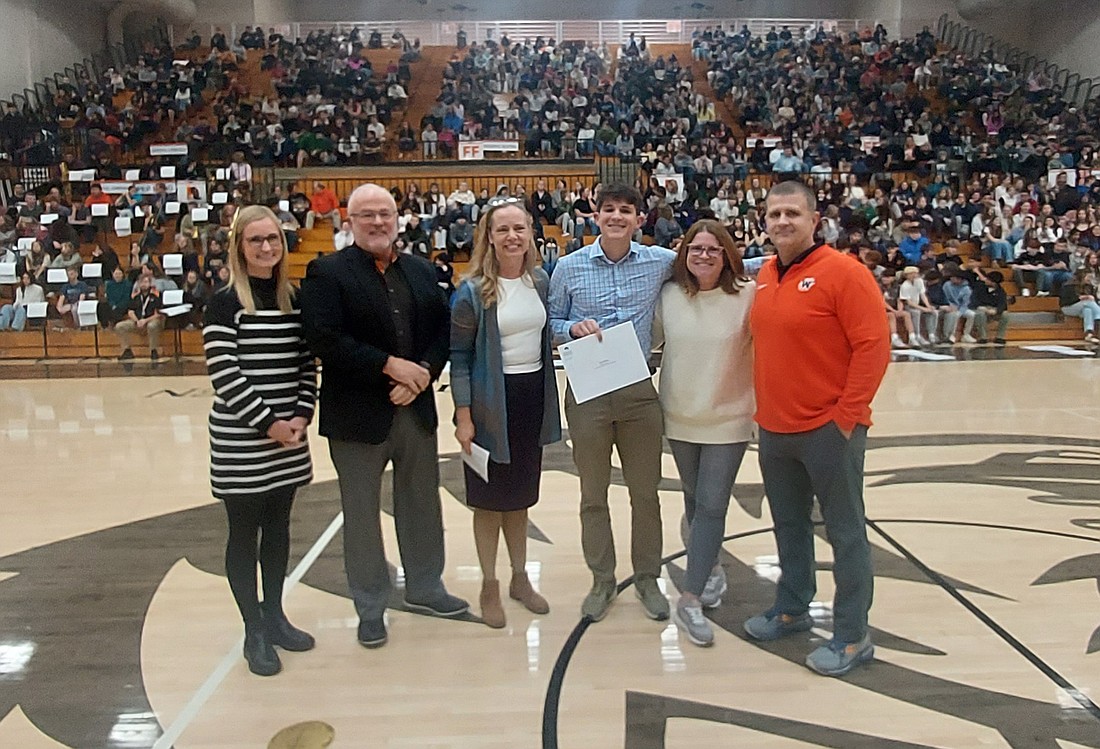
(265, 385)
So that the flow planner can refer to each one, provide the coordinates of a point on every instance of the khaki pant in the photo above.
(127, 328)
(631, 420)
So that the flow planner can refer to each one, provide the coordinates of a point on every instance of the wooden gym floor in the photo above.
(117, 628)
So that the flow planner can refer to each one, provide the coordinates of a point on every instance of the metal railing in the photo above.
(444, 33)
(972, 42)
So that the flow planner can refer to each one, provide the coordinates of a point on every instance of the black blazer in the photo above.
(347, 322)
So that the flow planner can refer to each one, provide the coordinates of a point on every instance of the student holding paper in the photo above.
(14, 316)
(707, 398)
(615, 280)
(505, 392)
(265, 385)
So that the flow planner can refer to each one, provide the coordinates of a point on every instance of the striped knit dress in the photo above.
(261, 370)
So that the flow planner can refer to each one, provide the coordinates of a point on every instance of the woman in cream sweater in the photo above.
(707, 398)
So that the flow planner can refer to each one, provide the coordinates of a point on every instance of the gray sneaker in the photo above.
(715, 588)
(690, 618)
(598, 600)
(653, 600)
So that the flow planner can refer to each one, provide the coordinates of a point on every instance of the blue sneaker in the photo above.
(771, 625)
(836, 658)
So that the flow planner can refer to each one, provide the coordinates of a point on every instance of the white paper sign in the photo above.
(100, 209)
(36, 310)
(220, 173)
(167, 172)
(478, 460)
(133, 175)
(172, 296)
(200, 214)
(7, 273)
(82, 175)
(47, 219)
(92, 270)
(284, 205)
(219, 198)
(179, 309)
(173, 264)
(122, 226)
(86, 312)
(25, 243)
(172, 207)
(595, 367)
(56, 275)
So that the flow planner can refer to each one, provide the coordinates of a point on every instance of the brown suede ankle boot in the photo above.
(522, 591)
(492, 612)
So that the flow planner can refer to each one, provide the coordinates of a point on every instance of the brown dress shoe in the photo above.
(522, 591)
(492, 612)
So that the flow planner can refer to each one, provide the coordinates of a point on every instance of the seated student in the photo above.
(960, 301)
(196, 292)
(914, 297)
(416, 238)
(1026, 267)
(950, 254)
(14, 316)
(912, 247)
(287, 221)
(1057, 272)
(1078, 299)
(216, 257)
(143, 315)
(992, 306)
(896, 316)
(116, 302)
(460, 237)
(323, 204)
(71, 294)
(67, 258)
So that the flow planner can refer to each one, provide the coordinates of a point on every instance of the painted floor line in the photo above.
(191, 710)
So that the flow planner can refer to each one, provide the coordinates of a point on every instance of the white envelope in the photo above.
(172, 296)
(200, 214)
(47, 219)
(36, 310)
(101, 209)
(172, 207)
(133, 175)
(92, 270)
(173, 263)
(167, 172)
(56, 275)
(219, 198)
(7, 273)
(595, 367)
(478, 460)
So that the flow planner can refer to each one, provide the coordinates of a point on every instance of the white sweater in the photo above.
(706, 371)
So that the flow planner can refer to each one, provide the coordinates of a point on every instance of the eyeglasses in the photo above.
(703, 250)
(372, 215)
(257, 243)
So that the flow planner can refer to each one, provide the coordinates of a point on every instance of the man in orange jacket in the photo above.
(822, 311)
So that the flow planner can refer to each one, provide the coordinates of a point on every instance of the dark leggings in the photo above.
(266, 516)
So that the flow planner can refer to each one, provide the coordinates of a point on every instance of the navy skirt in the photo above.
(515, 485)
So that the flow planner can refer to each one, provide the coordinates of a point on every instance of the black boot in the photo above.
(259, 651)
(282, 633)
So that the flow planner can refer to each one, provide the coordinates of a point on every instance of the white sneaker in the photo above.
(969, 339)
(1042, 293)
(1025, 292)
(933, 340)
(715, 588)
(920, 341)
(897, 342)
(952, 338)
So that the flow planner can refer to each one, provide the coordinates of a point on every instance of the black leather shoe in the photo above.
(283, 634)
(372, 633)
(259, 652)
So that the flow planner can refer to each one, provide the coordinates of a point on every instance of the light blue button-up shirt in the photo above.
(588, 286)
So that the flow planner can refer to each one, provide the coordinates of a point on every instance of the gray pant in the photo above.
(707, 473)
(416, 512)
(820, 463)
